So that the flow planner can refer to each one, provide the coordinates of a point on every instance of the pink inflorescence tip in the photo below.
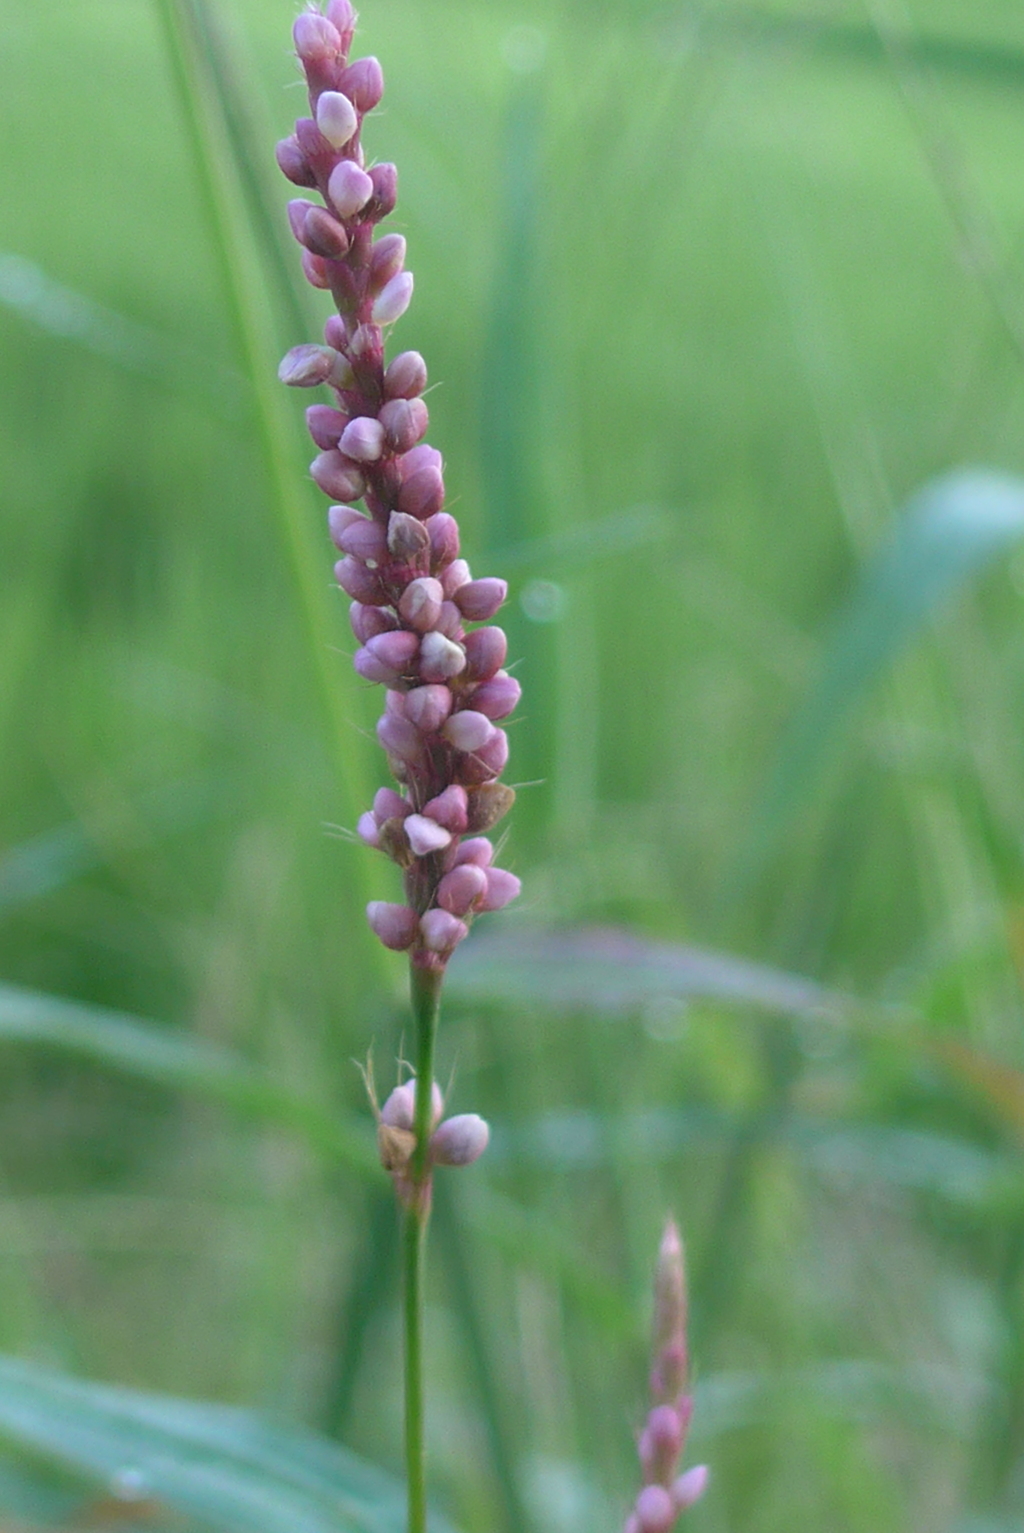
(412, 594)
(666, 1494)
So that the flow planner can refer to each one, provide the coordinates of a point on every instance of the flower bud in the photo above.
(455, 577)
(363, 439)
(325, 425)
(366, 346)
(460, 1140)
(387, 257)
(368, 622)
(444, 539)
(407, 537)
(366, 540)
(339, 476)
(359, 582)
(363, 83)
(342, 14)
(293, 162)
(654, 1509)
(395, 649)
(316, 40)
(400, 738)
(428, 707)
(449, 809)
(372, 668)
(477, 849)
(399, 1111)
(689, 1487)
(421, 603)
(478, 600)
(498, 697)
(423, 494)
(395, 925)
(487, 804)
(405, 421)
(660, 1445)
(441, 932)
(349, 188)
(368, 830)
(336, 117)
(486, 652)
(385, 190)
(406, 376)
(340, 517)
(460, 889)
(393, 299)
(425, 835)
(315, 270)
(389, 805)
(297, 209)
(324, 235)
(440, 658)
(502, 888)
(304, 367)
(467, 730)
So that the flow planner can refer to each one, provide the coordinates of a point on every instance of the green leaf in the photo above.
(950, 531)
(605, 969)
(229, 1468)
(179, 1061)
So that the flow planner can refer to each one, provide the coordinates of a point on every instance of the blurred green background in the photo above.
(709, 292)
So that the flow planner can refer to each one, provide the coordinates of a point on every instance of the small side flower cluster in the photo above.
(456, 1141)
(412, 595)
(666, 1494)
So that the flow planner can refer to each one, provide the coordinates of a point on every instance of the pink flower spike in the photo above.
(349, 188)
(395, 925)
(449, 809)
(367, 829)
(389, 805)
(336, 116)
(690, 1486)
(502, 888)
(468, 731)
(441, 932)
(425, 835)
(477, 850)
(428, 707)
(393, 299)
(460, 1140)
(655, 1510)
(460, 889)
(363, 439)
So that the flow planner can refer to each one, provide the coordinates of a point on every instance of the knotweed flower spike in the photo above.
(666, 1493)
(412, 595)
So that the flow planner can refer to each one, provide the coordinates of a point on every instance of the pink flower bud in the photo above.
(407, 537)
(406, 376)
(460, 1140)
(489, 802)
(316, 40)
(349, 188)
(440, 658)
(363, 439)
(421, 603)
(502, 888)
(305, 367)
(389, 805)
(337, 475)
(315, 270)
(385, 190)
(371, 668)
(441, 932)
(468, 730)
(359, 582)
(399, 1111)
(449, 809)
(405, 421)
(449, 622)
(455, 577)
(477, 850)
(486, 652)
(395, 649)
(400, 738)
(423, 494)
(654, 1509)
(661, 1443)
(325, 425)
(478, 600)
(395, 925)
(324, 235)
(368, 830)
(428, 707)
(297, 210)
(393, 299)
(418, 458)
(425, 835)
(460, 889)
(444, 539)
(293, 162)
(689, 1487)
(387, 257)
(336, 118)
(340, 517)
(341, 14)
(498, 697)
(366, 540)
(363, 83)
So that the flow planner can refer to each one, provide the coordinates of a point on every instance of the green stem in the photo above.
(426, 1004)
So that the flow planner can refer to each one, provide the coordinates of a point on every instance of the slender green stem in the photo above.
(426, 1003)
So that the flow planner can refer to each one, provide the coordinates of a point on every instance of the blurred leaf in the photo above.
(606, 969)
(224, 1466)
(950, 531)
(179, 1061)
